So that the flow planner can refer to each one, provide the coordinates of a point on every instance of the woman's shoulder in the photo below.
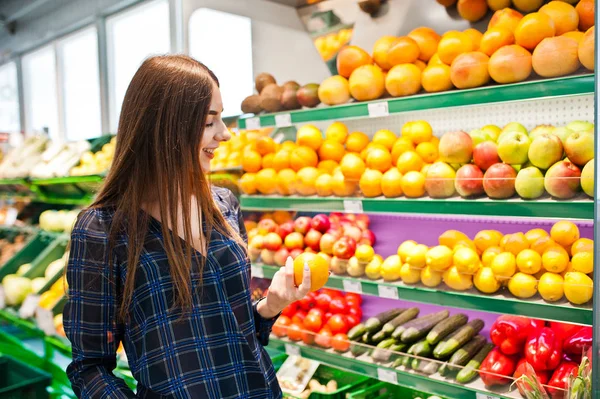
(93, 221)
(224, 198)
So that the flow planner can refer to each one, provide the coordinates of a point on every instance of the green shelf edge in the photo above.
(67, 180)
(564, 86)
(576, 209)
(463, 300)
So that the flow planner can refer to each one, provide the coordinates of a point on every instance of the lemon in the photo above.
(466, 260)
(523, 285)
(582, 245)
(404, 248)
(390, 269)
(565, 233)
(457, 280)
(416, 256)
(583, 262)
(515, 243)
(373, 269)
(489, 254)
(555, 259)
(485, 280)
(551, 286)
(533, 235)
(410, 275)
(579, 288)
(504, 266)
(364, 253)
(439, 258)
(486, 239)
(567, 270)
(430, 277)
(529, 261)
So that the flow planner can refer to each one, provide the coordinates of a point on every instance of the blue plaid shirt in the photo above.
(215, 351)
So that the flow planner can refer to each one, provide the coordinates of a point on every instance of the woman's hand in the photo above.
(283, 290)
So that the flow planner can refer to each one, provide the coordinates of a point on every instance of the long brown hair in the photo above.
(156, 159)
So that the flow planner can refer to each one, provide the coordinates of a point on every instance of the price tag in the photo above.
(2, 298)
(45, 320)
(353, 206)
(292, 350)
(388, 376)
(278, 138)
(28, 307)
(283, 120)
(257, 271)
(484, 396)
(378, 109)
(352, 286)
(252, 123)
(387, 291)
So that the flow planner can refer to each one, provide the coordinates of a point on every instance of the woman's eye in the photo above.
(209, 124)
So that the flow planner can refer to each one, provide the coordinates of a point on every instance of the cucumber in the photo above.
(358, 350)
(469, 372)
(462, 356)
(446, 348)
(421, 348)
(445, 327)
(367, 338)
(406, 360)
(398, 362)
(357, 332)
(424, 366)
(400, 329)
(444, 370)
(389, 327)
(419, 329)
(374, 324)
(381, 353)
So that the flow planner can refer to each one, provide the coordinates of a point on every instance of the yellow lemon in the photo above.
(450, 238)
(430, 277)
(404, 248)
(533, 234)
(385, 137)
(364, 253)
(583, 262)
(551, 286)
(416, 257)
(489, 254)
(515, 243)
(565, 233)
(582, 245)
(579, 288)
(487, 238)
(457, 280)
(529, 261)
(410, 275)
(337, 131)
(466, 260)
(373, 269)
(439, 258)
(504, 266)
(555, 259)
(485, 280)
(523, 285)
(390, 269)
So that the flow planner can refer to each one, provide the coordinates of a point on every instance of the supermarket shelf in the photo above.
(67, 180)
(564, 86)
(364, 366)
(498, 303)
(580, 208)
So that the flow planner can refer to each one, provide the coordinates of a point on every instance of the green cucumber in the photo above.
(400, 329)
(381, 353)
(357, 332)
(375, 323)
(358, 350)
(424, 366)
(444, 370)
(367, 338)
(446, 327)
(406, 361)
(404, 317)
(462, 356)
(398, 362)
(446, 348)
(421, 348)
(470, 371)
(419, 329)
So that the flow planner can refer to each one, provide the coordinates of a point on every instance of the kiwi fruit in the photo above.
(263, 80)
(289, 99)
(270, 98)
(251, 105)
(291, 85)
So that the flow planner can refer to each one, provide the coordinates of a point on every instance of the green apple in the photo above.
(512, 127)
(479, 136)
(579, 147)
(513, 148)
(545, 150)
(562, 133)
(587, 178)
(530, 183)
(539, 130)
(580, 126)
(493, 130)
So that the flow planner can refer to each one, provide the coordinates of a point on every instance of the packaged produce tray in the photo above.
(346, 382)
(20, 381)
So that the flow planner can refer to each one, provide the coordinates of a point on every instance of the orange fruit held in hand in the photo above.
(319, 270)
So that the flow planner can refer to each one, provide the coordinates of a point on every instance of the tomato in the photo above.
(290, 310)
(353, 297)
(313, 322)
(281, 326)
(299, 317)
(308, 337)
(323, 338)
(316, 311)
(307, 303)
(338, 305)
(338, 324)
(355, 311)
(323, 300)
(352, 320)
(340, 342)
(326, 317)
(295, 332)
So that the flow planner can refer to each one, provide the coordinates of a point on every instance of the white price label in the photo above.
(2, 298)
(352, 286)
(45, 320)
(252, 123)
(388, 376)
(292, 350)
(484, 396)
(28, 307)
(353, 206)
(378, 109)
(386, 291)
(257, 271)
(283, 120)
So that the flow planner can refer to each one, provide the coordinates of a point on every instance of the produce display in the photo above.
(20, 161)
(58, 221)
(273, 98)
(493, 162)
(329, 45)
(229, 153)
(9, 247)
(95, 163)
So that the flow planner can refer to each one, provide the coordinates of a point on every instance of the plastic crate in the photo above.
(27, 254)
(346, 382)
(20, 381)
(383, 390)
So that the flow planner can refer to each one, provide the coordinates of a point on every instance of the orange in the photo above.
(309, 136)
(265, 145)
(337, 131)
(266, 181)
(251, 161)
(267, 161)
(452, 45)
(427, 39)
(435, 60)
(494, 39)
(563, 14)
(351, 57)
(286, 182)
(556, 56)
(288, 145)
(582, 245)
(356, 141)
(514, 243)
(564, 233)
(534, 234)
(281, 160)
(405, 50)
(451, 238)
(319, 270)
(380, 51)
(435, 140)
(575, 35)
(323, 185)
(486, 239)
(370, 183)
(420, 64)
(305, 180)
(341, 186)
(334, 90)
(428, 152)
(327, 166)
(371, 146)
(542, 243)
(409, 161)
(352, 166)
(470, 70)
(534, 28)
(436, 78)
(585, 9)
(379, 159)
(391, 183)
(510, 64)
(401, 145)
(505, 18)
(417, 131)
(303, 156)
(475, 36)
(248, 183)
(472, 10)
(331, 150)
(425, 168)
(367, 83)
(555, 259)
(413, 184)
(385, 137)
(281, 217)
(403, 80)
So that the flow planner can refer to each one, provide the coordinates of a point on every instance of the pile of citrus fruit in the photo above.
(555, 265)
(229, 153)
(342, 162)
(554, 41)
(329, 45)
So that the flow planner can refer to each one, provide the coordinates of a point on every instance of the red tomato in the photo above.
(316, 311)
(355, 311)
(338, 324)
(353, 297)
(290, 310)
(323, 338)
(340, 342)
(299, 317)
(338, 305)
(281, 326)
(308, 337)
(323, 300)
(352, 320)
(326, 317)
(313, 322)
(295, 332)
(307, 303)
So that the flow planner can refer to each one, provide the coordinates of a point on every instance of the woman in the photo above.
(159, 261)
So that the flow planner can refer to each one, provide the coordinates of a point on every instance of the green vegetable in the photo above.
(400, 329)
(357, 332)
(421, 348)
(446, 327)
(374, 324)
(358, 349)
(398, 362)
(469, 372)
(424, 366)
(419, 329)
(381, 353)
(404, 317)
(462, 356)
(446, 348)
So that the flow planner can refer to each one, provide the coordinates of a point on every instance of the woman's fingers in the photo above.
(304, 288)
(289, 272)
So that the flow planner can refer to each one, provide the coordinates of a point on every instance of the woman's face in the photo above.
(215, 131)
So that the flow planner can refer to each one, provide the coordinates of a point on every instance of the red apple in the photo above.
(334, 217)
(499, 181)
(469, 181)
(272, 242)
(337, 233)
(362, 217)
(302, 224)
(367, 238)
(253, 253)
(295, 253)
(266, 226)
(456, 147)
(281, 256)
(267, 257)
(257, 242)
(326, 243)
(563, 180)
(285, 229)
(312, 239)
(353, 232)
(320, 223)
(485, 155)
(351, 217)
(294, 240)
(344, 248)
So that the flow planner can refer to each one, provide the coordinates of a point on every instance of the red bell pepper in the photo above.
(564, 330)
(497, 368)
(580, 342)
(543, 349)
(524, 368)
(560, 379)
(537, 324)
(509, 333)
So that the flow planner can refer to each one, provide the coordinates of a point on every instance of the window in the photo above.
(133, 36)
(9, 99)
(78, 57)
(213, 35)
(39, 84)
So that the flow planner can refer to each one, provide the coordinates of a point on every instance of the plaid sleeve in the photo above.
(90, 313)
(263, 326)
